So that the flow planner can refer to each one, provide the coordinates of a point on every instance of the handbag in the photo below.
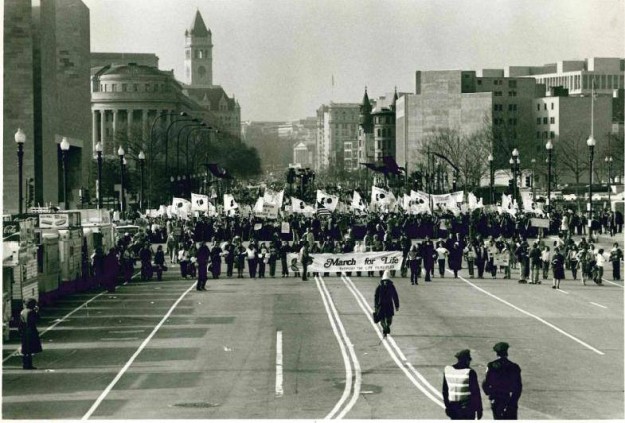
(376, 316)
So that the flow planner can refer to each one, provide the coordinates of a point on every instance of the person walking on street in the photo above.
(203, 254)
(557, 264)
(461, 390)
(159, 262)
(503, 384)
(616, 256)
(412, 261)
(285, 249)
(386, 302)
(31, 343)
(304, 257)
(536, 263)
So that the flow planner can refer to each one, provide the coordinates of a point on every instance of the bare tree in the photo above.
(572, 153)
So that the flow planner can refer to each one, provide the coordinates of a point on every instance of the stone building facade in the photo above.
(46, 93)
(337, 136)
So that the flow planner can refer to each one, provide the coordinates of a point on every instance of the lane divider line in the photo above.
(562, 291)
(613, 283)
(598, 305)
(145, 342)
(411, 373)
(279, 386)
(348, 366)
(352, 354)
(540, 319)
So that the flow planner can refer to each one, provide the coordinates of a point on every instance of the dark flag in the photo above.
(391, 165)
(218, 171)
(375, 167)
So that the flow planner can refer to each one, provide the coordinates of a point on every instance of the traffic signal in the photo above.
(528, 181)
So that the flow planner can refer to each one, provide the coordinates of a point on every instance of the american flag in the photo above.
(322, 210)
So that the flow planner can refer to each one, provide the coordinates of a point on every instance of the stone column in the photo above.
(115, 117)
(144, 126)
(103, 137)
(94, 128)
(129, 122)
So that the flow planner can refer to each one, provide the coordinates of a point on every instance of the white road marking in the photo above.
(108, 389)
(118, 339)
(562, 291)
(598, 305)
(613, 283)
(127, 331)
(579, 341)
(344, 343)
(394, 351)
(279, 388)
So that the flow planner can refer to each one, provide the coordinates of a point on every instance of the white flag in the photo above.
(326, 200)
(382, 198)
(298, 206)
(474, 203)
(229, 203)
(358, 203)
(199, 202)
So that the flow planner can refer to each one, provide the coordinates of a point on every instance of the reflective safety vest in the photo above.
(457, 383)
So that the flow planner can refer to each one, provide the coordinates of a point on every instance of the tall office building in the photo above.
(337, 136)
(463, 102)
(46, 93)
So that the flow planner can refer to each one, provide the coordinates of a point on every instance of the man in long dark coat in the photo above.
(31, 343)
(202, 257)
(386, 302)
(216, 253)
(429, 257)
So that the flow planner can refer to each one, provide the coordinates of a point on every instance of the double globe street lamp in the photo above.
(608, 160)
(141, 164)
(514, 165)
(591, 150)
(492, 177)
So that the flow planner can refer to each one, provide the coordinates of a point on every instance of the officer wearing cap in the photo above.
(503, 384)
(461, 390)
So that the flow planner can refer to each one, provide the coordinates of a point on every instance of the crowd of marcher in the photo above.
(485, 243)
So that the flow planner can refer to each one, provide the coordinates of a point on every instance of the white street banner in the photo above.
(349, 262)
(358, 203)
(458, 196)
(199, 202)
(273, 197)
(540, 223)
(326, 200)
(298, 206)
(285, 228)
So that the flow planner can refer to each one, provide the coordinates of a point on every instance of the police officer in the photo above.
(503, 384)
(461, 390)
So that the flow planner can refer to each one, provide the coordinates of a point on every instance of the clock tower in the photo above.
(198, 60)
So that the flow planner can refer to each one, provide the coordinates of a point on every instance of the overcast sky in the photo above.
(278, 57)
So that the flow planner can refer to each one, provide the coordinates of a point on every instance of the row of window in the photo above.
(545, 135)
(576, 82)
(381, 120)
(499, 107)
(544, 106)
(113, 88)
(545, 120)
(384, 132)
(511, 82)
(198, 53)
(499, 121)
(500, 93)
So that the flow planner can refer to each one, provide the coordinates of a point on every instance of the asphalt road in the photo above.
(284, 348)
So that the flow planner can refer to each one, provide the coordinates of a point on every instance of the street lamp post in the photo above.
(608, 160)
(141, 164)
(515, 163)
(533, 174)
(20, 139)
(98, 149)
(591, 150)
(120, 153)
(549, 147)
(64, 150)
(491, 177)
